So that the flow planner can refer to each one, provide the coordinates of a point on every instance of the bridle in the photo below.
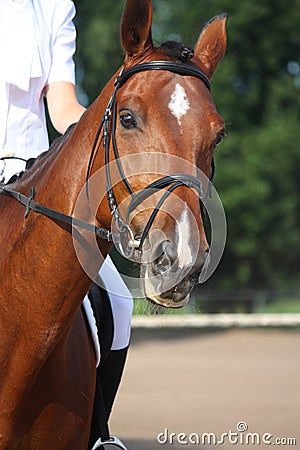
(107, 130)
(171, 182)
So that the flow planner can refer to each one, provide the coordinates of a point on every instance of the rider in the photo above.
(37, 44)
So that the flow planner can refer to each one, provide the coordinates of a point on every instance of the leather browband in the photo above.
(179, 68)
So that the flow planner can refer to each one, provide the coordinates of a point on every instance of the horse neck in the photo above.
(41, 264)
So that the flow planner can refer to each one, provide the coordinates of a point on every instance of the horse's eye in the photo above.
(127, 120)
(220, 138)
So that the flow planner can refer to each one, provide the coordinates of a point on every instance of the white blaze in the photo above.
(184, 232)
(179, 103)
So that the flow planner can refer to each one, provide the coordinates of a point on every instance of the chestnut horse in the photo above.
(159, 102)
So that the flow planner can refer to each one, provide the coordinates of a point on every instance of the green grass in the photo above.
(283, 306)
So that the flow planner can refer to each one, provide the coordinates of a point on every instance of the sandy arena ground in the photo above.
(193, 381)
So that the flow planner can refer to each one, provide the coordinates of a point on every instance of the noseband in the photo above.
(171, 182)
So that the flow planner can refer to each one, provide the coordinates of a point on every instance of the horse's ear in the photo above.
(136, 27)
(211, 45)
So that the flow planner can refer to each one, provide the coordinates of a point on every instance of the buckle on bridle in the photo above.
(126, 234)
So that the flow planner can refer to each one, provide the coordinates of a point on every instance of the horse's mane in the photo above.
(177, 51)
(56, 144)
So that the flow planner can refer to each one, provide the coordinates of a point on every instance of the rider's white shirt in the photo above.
(37, 43)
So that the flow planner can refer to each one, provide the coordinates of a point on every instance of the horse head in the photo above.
(161, 128)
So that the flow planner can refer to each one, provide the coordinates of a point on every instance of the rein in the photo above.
(31, 205)
(108, 127)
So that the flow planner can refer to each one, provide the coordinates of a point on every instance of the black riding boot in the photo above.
(110, 369)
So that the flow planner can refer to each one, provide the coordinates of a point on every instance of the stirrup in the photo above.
(113, 440)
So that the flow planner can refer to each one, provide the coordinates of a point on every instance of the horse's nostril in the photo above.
(170, 250)
(194, 278)
(165, 256)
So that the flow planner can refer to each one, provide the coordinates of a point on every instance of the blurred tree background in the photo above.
(257, 91)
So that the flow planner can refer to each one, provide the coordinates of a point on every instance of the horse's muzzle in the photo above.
(166, 280)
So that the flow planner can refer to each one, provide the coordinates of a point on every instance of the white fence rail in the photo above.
(221, 321)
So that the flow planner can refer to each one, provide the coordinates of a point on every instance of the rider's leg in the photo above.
(113, 308)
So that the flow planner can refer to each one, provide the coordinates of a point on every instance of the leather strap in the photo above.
(179, 68)
(32, 205)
